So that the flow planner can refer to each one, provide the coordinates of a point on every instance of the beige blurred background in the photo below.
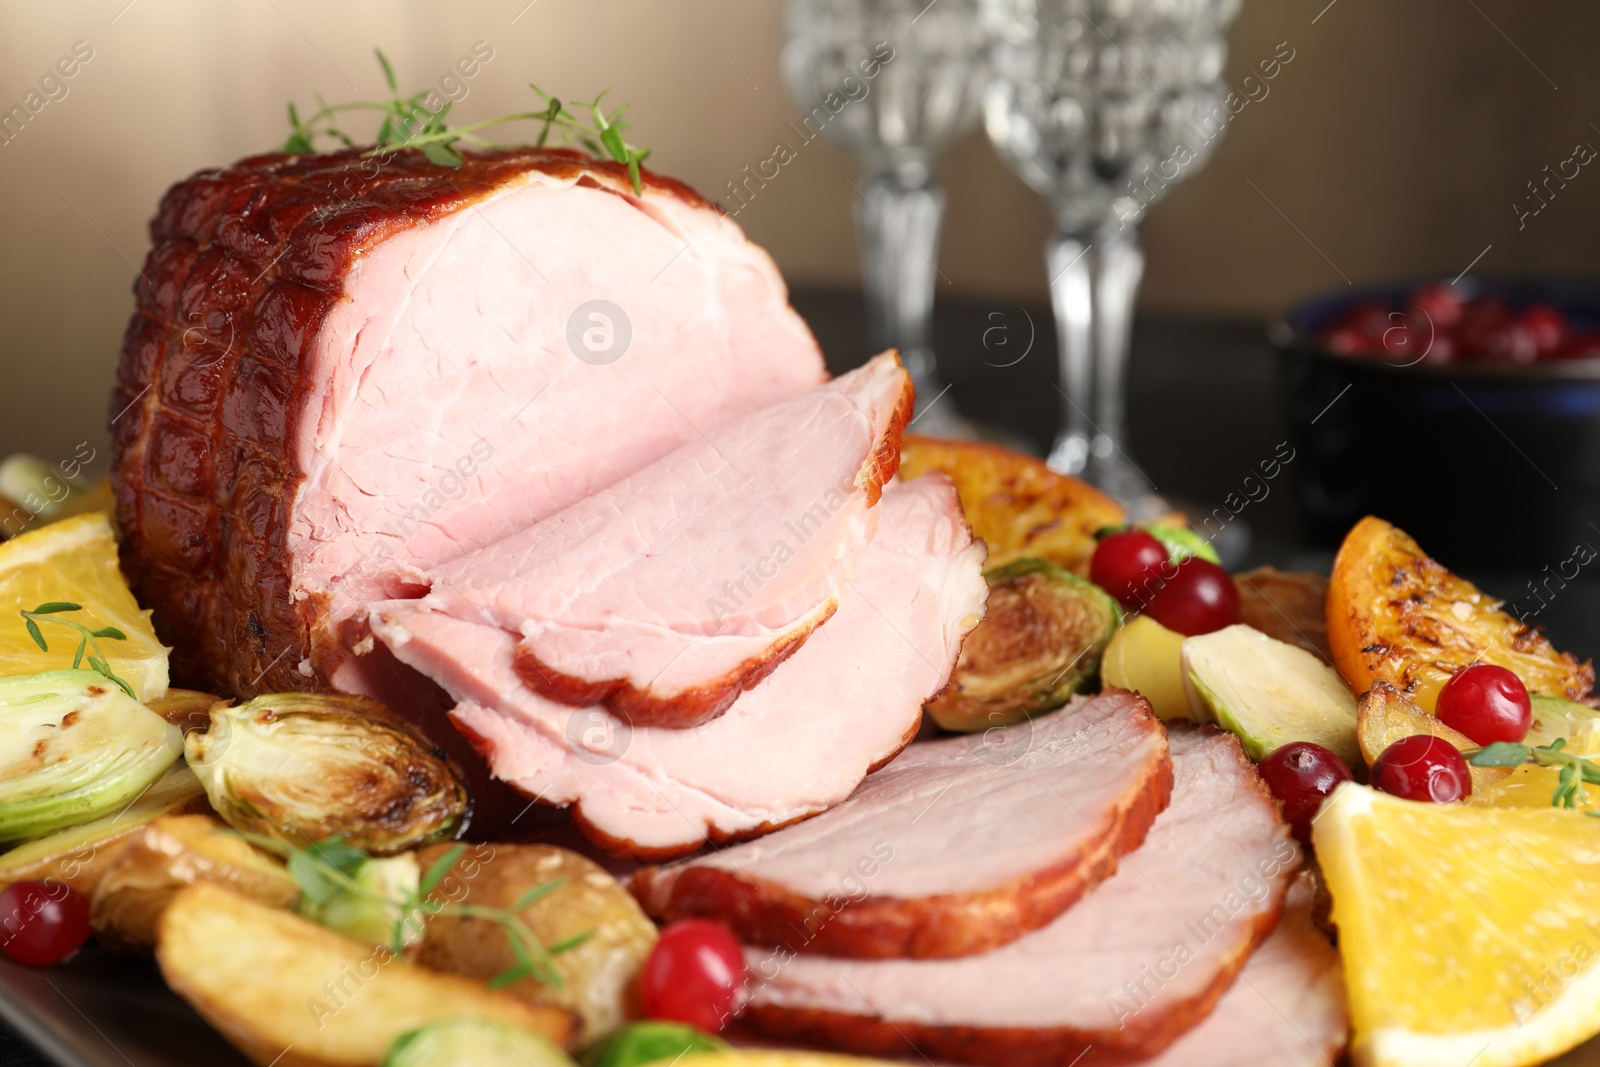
(1394, 143)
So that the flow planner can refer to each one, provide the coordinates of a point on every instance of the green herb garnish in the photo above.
(88, 640)
(328, 868)
(409, 123)
(1576, 772)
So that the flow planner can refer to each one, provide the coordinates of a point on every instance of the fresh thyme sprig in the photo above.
(327, 868)
(409, 123)
(88, 640)
(1576, 772)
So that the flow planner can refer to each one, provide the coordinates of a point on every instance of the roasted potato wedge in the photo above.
(1019, 506)
(79, 855)
(1395, 615)
(1288, 605)
(597, 975)
(169, 854)
(1386, 715)
(286, 991)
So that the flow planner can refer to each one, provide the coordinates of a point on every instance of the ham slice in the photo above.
(798, 743)
(667, 594)
(956, 847)
(1287, 1008)
(1132, 966)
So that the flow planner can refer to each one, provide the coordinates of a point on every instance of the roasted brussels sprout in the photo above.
(1039, 643)
(370, 908)
(458, 1042)
(74, 747)
(301, 767)
(597, 974)
(649, 1042)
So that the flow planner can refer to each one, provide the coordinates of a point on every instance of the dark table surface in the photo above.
(1205, 410)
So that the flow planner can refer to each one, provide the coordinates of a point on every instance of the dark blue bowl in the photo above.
(1486, 464)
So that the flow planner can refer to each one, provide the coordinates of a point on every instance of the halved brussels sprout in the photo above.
(301, 767)
(654, 1041)
(474, 1042)
(1269, 693)
(1555, 717)
(74, 747)
(1039, 643)
(369, 909)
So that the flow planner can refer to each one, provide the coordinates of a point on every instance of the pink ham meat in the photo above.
(1139, 961)
(798, 743)
(666, 595)
(1287, 1008)
(956, 847)
(342, 371)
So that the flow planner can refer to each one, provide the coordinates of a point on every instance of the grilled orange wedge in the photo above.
(1397, 616)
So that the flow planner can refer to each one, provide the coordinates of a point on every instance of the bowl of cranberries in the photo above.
(1422, 401)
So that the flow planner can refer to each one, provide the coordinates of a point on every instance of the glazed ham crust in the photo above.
(217, 390)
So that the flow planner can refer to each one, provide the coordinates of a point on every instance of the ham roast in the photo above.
(956, 847)
(846, 702)
(1286, 1009)
(666, 595)
(342, 371)
(1128, 969)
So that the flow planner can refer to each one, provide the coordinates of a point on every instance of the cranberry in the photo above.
(1196, 597)
(1370, 318)
(42, 922)
(1442, 305)
(1584, 345)
(1441, 350)
(1301, 775)
(1487, 703)
(1482, 321)
(1422, 767)
(694, 975)
(1348, 341)
(1128, 565)
(1547, 327)
(1511, 343)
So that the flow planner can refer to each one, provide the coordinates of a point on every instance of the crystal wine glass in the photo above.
(1102, 106)
(893, 82)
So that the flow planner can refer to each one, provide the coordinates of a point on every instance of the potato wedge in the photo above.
(1386, 715)
(1019, 506)
(165, 856)
(1288, 605)
(284, 990)
(79, 855)
(598, 975)
(1395, 615)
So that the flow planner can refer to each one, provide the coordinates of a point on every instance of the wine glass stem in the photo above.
(898, 219)
(1094, 278)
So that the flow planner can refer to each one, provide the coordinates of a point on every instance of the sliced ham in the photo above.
(1140, 960)
(956, 847)
(667, 594)
(1286, 1009)
(342, 371)
(801, 741)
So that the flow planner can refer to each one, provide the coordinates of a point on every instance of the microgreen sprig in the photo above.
(88, 640)
(326, 868)
(408, 122)
(1576, 772)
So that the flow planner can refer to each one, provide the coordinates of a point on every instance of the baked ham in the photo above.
(1287, 1007)
(956, 847)
(1133, 965)
(846, 702)
(666, 595)
(342, 372)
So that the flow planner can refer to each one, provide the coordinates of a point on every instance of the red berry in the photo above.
(42, 922)
(1348, 341)
(694, 975)
(1547, 327)
(1370, 318)
(1422, 767)
(1301, 775)
(1487, 703)
(1128, 565)
(1582, 346)
(1443, 305)
(1481, 322)
(1196, 597)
